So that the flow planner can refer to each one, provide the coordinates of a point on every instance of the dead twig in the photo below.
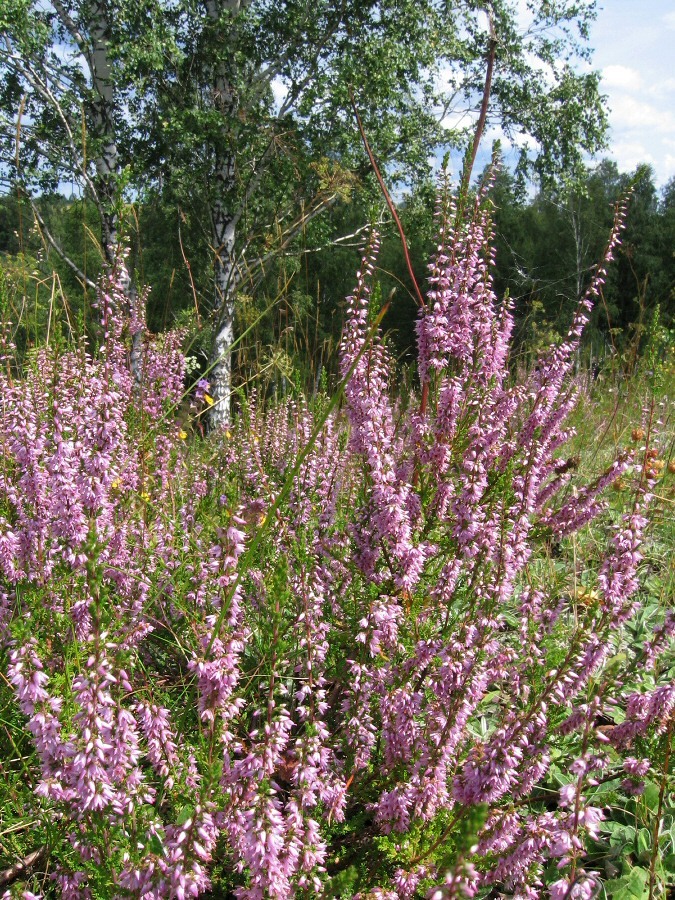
(18, 869)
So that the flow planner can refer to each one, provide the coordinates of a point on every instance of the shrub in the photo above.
(331, 652)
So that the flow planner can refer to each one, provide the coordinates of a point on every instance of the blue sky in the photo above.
(634, 43)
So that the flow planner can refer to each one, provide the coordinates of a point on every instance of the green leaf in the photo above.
(187, 812)
(620, 834)
(651, 796)
(342, 884)
(643, 844)
(155, 844)
(632, 886)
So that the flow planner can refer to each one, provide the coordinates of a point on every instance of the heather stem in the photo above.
(659, 811)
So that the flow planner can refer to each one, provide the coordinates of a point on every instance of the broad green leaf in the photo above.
(632, 886)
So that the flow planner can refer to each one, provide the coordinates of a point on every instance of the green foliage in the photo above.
(631, 886)
(189, 90)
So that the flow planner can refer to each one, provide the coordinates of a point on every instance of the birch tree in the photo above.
(64, 98)
(62, 105)
(239, 111)
(254, 125)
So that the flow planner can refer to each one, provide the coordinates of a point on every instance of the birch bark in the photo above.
(107, 158)
(103, 126)
(222, 14)
(91, 33)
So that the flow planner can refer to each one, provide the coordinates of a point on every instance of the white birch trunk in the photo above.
(107, 170)
(103, 126)
(220, 376)
(223, 229)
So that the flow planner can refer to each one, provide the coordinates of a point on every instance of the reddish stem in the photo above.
(390, 203)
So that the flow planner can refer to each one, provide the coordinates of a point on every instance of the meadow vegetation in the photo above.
(367, 642)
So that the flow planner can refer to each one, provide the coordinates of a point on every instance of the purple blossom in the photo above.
(373, 631)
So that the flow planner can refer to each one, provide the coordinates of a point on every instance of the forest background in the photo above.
(296, 309)
(219, 145)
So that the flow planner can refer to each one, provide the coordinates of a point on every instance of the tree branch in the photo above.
(253, 271)
(390, 204)
(482, 116)
(274, 68)
(343, 240)
(40, 86)
(71, 26)
(45, 233)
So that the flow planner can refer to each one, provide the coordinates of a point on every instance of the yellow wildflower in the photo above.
(208, 399)
(182, 434)
(585, 596)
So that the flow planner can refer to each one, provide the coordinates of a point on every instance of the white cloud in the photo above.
(668, 168)
(522, 12)
(279, 91)
(524, 142)
(618, 76)
(633, 52)
(633, 114)
(630, 154)
(662, 89)
(493, 133)
(458, 119)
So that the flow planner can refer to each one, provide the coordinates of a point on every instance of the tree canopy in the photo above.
(236, 114)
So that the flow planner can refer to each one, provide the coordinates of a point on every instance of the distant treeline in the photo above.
(292, 313)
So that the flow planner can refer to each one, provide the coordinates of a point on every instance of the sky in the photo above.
(634, 43)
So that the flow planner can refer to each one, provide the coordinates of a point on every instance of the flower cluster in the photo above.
(343, 635)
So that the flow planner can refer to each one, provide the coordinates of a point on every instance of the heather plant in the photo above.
(353, 651)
